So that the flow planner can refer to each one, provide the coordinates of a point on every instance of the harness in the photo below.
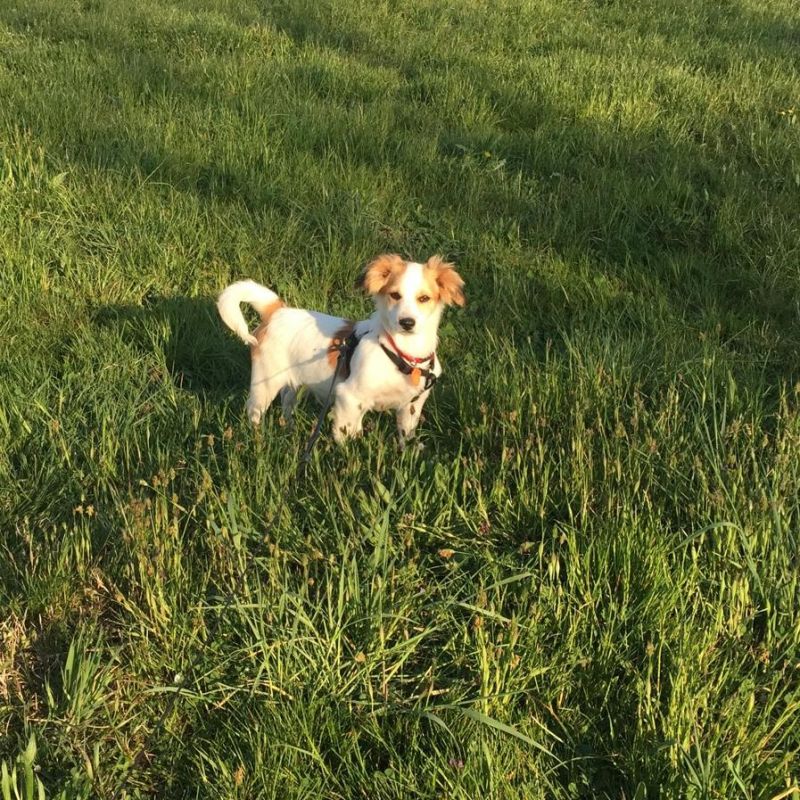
(345, 348)
(408, 365)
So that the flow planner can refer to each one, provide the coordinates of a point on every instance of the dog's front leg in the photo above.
(348, 413)
(408, 417)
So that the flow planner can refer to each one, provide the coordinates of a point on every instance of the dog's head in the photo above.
(410, 297)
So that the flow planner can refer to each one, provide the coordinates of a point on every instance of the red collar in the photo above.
(405, 356)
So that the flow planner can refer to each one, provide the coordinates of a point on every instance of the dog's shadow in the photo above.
(200, 354)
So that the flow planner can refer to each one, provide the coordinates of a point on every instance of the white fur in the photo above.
(229, 301)
(292, 352)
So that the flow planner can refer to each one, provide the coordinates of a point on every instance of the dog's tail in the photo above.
(263, 300)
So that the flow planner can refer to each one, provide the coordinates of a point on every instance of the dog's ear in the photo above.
(378, 272)
(450, 283)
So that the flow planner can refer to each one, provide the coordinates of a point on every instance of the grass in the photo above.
(586, 585)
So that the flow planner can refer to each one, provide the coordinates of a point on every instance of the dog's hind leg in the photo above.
(288, 400)
(263, 388)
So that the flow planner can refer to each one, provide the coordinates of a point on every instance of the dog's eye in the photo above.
(395, 295)
(423, 298)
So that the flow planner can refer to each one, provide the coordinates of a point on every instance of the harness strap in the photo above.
(344, 349)
(350, 344)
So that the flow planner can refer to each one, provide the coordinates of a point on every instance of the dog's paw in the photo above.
(254, 415)
(342, 433)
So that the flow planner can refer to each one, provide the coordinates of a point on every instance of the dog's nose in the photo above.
(407, 323)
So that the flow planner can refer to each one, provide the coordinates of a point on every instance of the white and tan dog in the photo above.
(390, 358)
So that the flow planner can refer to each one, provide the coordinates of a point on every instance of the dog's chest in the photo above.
(392, 392)
(376, 382)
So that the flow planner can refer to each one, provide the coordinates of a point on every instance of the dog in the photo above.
(388, 361)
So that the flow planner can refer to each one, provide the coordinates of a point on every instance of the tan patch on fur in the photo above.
(270, 309)
(448, 281)
(381, 271)
(338, 338)
(261, 331)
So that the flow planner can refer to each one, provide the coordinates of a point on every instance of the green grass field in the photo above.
(586, 585)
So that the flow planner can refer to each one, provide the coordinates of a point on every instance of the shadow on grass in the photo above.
(202, 357)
